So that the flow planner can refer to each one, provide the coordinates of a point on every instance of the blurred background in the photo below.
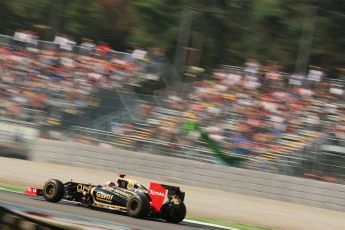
(251, 84)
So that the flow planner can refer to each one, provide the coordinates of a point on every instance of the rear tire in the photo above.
(53, 190)
(173, 213)
(138, 206)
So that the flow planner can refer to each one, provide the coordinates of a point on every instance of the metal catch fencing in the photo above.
(125, 126)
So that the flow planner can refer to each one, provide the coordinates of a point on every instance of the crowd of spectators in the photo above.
(46, 80)
(245, 110)
(248, 110)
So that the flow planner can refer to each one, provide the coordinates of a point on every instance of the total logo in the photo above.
(156, 193)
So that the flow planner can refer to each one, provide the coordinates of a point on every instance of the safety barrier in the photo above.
(244, 181)
(16, 138)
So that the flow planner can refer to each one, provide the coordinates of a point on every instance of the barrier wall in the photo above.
(16, 138)
(263, 184)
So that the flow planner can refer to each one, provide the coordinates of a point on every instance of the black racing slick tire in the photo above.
(138, 206)
(53, 190)
(173, 213)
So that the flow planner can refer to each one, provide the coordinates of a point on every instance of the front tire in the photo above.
(173, 213)
(53, 190)
(138, 206)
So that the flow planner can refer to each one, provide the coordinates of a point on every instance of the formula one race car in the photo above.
(159, 201)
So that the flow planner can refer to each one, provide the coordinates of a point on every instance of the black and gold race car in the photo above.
(159, 201)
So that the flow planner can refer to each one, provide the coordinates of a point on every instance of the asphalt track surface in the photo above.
(206, 202)
(117, 218)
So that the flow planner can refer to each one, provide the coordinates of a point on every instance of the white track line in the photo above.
(210, 225)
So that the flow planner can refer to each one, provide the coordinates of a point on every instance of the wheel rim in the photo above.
(133, 206)
(50, 189)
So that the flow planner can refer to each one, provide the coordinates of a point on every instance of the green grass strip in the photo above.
(13, 188)
(223, 223)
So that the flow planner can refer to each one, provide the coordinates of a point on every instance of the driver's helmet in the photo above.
(110, 184)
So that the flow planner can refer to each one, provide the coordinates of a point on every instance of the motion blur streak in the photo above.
(238, 96)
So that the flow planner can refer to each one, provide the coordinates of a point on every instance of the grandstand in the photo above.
(251, 112)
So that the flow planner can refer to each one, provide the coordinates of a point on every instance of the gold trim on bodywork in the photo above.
(101, 204)
(117, 207)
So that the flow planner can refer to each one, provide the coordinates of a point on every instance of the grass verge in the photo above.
(223, 223)
(13, 188)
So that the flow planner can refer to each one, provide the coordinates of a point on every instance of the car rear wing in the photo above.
(160, 193)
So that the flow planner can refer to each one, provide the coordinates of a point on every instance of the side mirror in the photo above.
(121, 175)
